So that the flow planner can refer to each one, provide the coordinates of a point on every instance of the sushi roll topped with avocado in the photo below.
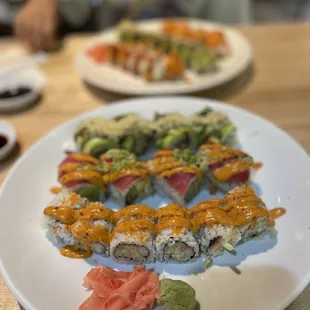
(98, 135)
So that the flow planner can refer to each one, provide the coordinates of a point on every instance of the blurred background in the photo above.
(91, 15)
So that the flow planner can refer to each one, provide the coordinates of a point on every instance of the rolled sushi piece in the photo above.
(217, 127)
(174, 130)
(193, 54)
(85, 182)
(127, 178)
(172, 210)
(97, 135)
(223, 223)
(76, 161)
(255, 216)
(81, 231)
(133, 242)
(137, 133)
(228, 167)
(136, 212)
(176, 175)
(176, 241)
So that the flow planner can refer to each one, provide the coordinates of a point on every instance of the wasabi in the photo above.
(176, 295)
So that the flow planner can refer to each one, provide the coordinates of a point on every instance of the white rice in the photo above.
(121, 238)
(63, 199)
(227, 234)
(58, 233)
(167, 236)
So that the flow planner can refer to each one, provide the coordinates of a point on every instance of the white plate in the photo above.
(114, 79)
(273, 272)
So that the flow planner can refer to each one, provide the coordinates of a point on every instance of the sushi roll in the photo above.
(127, 178)
(223, 223)
(92, 230)
(172, 210)
(228, 167)
(76, 161)
(87, 183)
(136, 212)
(137, 133)
(176, 241)
(215, 231)
(217, 127)
(255, 215)
(97, 135)
(174, 130)
(176, 175)
(133, 242)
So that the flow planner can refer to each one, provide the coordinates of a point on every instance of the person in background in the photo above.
(38, 20)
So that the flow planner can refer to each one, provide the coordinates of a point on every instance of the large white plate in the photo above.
(117, 80)
(272, 272)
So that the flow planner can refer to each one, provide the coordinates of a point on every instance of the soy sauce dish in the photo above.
(7, 139)
(18, 96)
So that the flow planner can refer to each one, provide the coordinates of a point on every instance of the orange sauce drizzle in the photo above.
(183, 169)
(64, 214)
(177, 223)
(95, 211)
(135, 228)
(218, 152)
(257, 165)
(277, 212)
(89, 175)
(55, 190)
(140, 211)
(114, 176)
(171, 210)
(87, 233)
(69, 167)
(84, 157)
(73, 251)
(228, 170)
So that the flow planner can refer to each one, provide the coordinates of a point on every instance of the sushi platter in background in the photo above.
(164, 56)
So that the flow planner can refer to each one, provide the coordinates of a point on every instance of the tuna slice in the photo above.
(75, 183)
(125, 183)
(181, 182)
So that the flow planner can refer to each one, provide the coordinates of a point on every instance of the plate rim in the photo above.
(138, 100)
(178, 90)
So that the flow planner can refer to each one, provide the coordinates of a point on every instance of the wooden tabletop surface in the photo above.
(276, 87)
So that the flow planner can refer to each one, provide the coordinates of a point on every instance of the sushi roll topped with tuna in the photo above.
(228, 167)
(176, 174)
(76, 161)
(127, 178)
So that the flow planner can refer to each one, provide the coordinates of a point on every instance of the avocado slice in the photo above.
(91, 192)
(97, 146)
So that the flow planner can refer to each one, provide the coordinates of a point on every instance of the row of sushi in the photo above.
(196, 54)
(139, 234)
(136, 134)
(177, 174)
(139, 59)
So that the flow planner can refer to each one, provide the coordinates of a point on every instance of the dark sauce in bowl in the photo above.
(10, 93)
(3, 141)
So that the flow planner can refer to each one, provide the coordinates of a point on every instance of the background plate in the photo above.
(271, 272)
(116, 80)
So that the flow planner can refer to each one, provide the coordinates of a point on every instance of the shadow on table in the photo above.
(221, 92)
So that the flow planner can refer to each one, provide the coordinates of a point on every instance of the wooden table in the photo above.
(277, 87)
